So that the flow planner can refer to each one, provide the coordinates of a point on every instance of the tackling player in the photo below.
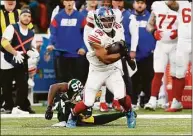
(163, 25)
(66, 95)
(105, 68)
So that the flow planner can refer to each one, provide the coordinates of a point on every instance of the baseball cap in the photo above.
(25, 10)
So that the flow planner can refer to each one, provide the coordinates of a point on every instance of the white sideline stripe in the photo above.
(147, 116)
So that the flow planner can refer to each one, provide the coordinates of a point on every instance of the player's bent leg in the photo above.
(94, 82)
(181, 68)
(131, 116)
(116, 85)
(81, 107)
(182, 61)
(172, 59)
(72, 120)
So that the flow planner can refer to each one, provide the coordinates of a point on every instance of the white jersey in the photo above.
(166, 20)
(90, 19)
(99, 36)
(184, 19)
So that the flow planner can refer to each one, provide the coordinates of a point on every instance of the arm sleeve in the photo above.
(134, 31)
(87, 30)
(118, 15)
(53, 31)
(8, 33)
(94, 37)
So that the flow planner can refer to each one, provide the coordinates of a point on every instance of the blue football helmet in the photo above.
(105, 19)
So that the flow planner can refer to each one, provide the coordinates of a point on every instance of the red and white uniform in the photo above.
(166, 21)
(183, 53)
(100, 37)
(91, 23)
(100, 73)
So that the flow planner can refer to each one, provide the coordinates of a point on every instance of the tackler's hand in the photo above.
(49, 113)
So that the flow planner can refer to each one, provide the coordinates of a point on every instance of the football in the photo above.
(114, 48)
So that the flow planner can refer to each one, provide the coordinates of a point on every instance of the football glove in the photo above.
(123, 48)
(19, 57)
(130, 62)
(174, 34)
(49, 113)
(157, 35)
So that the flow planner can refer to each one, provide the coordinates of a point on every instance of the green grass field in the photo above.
(40, 126)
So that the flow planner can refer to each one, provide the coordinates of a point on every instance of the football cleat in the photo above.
(168, 105)
(17, 110)
(71, 123)
(131, 119)
(150, 106)
(135, 107)
(104, 107)
(175, 106)
(5, 111)
(162, 102)
(60, 124)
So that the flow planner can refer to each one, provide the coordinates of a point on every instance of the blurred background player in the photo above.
(105, 68)
(183, 52)
(163, 25)
(63, 96)
(91, 5)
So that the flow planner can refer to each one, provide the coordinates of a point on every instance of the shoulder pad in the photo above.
(90, 16)
(95, 36)
(155, 5)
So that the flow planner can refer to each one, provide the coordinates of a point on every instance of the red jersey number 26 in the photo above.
(186, 15)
